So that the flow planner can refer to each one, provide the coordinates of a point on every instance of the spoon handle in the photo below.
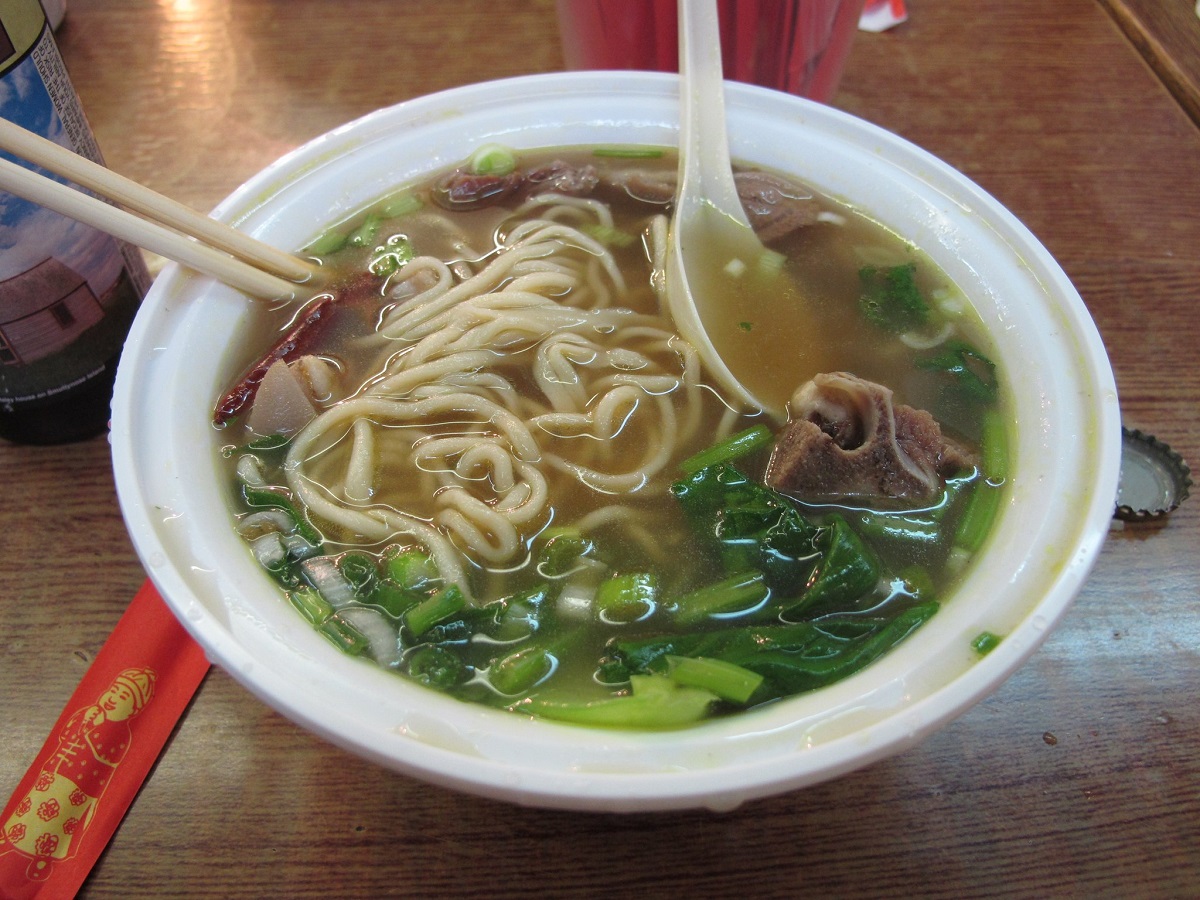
(705, 169)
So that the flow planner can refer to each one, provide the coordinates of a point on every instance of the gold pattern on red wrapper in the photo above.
(71, 800)
(49, 819)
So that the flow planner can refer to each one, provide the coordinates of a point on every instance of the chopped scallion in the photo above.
(400, 205)
(364, 235)
(443, 605)
(329, 242)
(492, 159)
(985, 642)
(311, 605)
(344, 636)
(628, 152)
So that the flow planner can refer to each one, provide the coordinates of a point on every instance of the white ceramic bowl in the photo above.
(178, 359)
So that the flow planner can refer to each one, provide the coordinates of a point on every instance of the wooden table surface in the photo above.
(1167, 34)
(1079, 777)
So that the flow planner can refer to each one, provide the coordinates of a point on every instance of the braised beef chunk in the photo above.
(846, 437)
(652, 186)
(775, 207)
(462, 190)
(563, 178)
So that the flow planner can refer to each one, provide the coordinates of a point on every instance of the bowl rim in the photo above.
(439, 758)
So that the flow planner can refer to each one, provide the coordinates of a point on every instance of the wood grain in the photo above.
(1079, 777)
(1167, 34)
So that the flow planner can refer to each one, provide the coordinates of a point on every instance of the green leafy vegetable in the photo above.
(627, 597)
(984, 502)
(743, 591)
(360, 570)
(437, 667)
(891, 299)
(967, 370)
(654, 702)
(754, 527)
(741, 444)
(848, 569)
(791, 658)
(561, 552)
(727, 681)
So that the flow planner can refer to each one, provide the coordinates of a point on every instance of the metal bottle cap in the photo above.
(1154, 478)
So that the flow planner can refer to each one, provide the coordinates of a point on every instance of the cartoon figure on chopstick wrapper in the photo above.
(52, 818)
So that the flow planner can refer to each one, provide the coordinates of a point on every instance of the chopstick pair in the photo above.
(161, 225)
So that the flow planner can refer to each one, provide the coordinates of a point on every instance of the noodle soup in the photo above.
(488, 463)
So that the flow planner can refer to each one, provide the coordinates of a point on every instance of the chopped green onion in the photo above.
(727, 681)
(770, 262)
(606, 234)
(400, 205)
(273, 499)
(519, 671)
(392, 598)
(443, 605)
(734, 447)
(628, 152)
(389, 258)
(985, 642)
(311, 605)
(412, 569)
(492, 159)
(344, 636)
(519, 615)
(364, 235)
(329, 242)
(360, 570)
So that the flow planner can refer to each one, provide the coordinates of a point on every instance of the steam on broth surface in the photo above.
(491, 465)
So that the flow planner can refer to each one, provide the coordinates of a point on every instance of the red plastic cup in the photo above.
(798, 46)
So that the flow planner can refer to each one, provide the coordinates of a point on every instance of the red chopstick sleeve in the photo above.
(66, 808)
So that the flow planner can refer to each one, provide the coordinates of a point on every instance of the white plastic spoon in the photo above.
(715, 262)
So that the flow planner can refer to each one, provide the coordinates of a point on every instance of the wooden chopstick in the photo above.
(168, 228)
